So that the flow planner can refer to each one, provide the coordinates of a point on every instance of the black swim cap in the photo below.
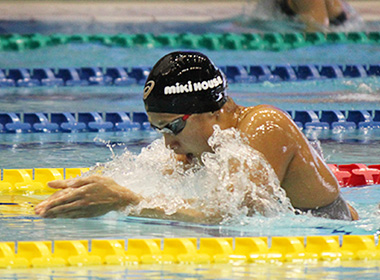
(185, 83)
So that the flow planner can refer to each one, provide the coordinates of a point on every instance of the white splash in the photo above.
(220, 183)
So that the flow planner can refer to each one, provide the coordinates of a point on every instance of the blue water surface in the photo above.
(86, 149)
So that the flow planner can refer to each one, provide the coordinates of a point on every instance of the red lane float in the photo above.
(356, 174)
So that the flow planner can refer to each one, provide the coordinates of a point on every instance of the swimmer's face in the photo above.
(190, 135)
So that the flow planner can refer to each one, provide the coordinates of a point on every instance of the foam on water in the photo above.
(219, 183)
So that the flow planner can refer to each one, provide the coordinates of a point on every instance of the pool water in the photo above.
(342, 271)
(85, 149)
(23, 225)
(69, 149)
(82, 55)
(57, 150)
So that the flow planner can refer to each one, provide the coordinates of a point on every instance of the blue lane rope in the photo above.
(325, 120)
(125, 76)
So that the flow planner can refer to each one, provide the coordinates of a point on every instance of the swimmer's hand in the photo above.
(97, 195)
(85, 197)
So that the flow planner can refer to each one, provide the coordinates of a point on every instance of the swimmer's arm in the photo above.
(304, 176)
(272, 133)
(85, 197)
(97, 195)
(184, 215)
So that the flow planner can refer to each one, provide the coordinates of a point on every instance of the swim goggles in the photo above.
(174, 127)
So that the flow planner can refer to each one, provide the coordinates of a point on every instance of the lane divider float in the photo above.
(126, 76)
(274, 41)
(307, 120)
(238, 250)
(34, 180)
(356, 174)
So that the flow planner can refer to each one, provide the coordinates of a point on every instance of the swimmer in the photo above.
(318, 15)
(185, 97)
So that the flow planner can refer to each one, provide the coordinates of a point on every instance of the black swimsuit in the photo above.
(338, 210)
(287, 10)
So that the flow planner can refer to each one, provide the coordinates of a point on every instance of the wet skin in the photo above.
(316, 14)
(307, 180)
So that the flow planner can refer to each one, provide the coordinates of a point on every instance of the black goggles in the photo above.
(173, 127)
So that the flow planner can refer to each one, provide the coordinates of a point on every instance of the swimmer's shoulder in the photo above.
(262, 114)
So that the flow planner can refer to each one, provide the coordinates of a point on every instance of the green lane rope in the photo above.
(212, 41)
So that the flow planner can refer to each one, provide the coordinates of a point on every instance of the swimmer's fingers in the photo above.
(70, 210)
(62, 197)
(95, 199)
(78, 204)
(72, 183)
(61, 184)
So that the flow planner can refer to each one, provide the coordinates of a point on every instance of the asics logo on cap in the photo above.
(220, 96)
(192, 86)
(148, 88)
